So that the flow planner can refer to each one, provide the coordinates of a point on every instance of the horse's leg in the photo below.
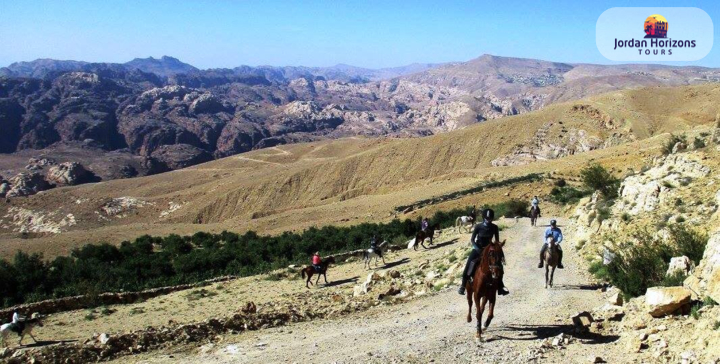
(478, 316)
(383, 259)
(33, 337)
(470, 303)
(318, 279)
(22, 336)
(491, 311)
(547, 266)
(552, 275)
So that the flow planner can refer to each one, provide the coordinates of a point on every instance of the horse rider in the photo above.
(552, 233)
(316, 262)
(374, 245)
(424, 224)
(473, 213)
(481, 237)
(18, 322)
(535, 203)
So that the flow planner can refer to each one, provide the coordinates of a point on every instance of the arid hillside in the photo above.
(355, 179)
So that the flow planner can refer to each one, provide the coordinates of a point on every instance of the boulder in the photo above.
(394, 274)
(582, 319)
(68, 174)
(662, 301)
(706, 277)
(681, 265)
(4, 189)
(26, 184)
(361, 289)
(372, 277)
(679, 147)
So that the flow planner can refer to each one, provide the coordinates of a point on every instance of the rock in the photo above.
(609, 312)
(682, 265)
(634, 345)
(361, 289)
(616, 298)
(4, 189)
(372, 277)
(679, 147)
(424, 264)
(582, 319)
(662, 301)
(595, 359)
(394, 274)
(68, 174)
(103, 338)
(392, 291)
(706, 277)
(180, 155)
(26, 184)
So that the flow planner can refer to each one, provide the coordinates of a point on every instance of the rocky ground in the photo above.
(532, 324)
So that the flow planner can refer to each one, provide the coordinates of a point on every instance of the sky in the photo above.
(373, 34)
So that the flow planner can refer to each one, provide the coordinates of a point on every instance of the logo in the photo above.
(656, 26)
(618, 37)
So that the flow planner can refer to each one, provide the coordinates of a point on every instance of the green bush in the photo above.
(597, 178)
(567, 195)
(643, 261)
(670, 143)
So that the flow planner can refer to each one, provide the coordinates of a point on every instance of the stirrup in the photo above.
(560, 266)
(503, 291)
(540, 265)
(461, 290)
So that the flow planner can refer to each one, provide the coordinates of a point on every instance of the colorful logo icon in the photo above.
(656, 26)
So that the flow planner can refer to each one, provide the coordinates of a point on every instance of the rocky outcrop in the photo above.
(180, 155)
(26, 184)
(68, 174)
(663, 301)
(705, 279)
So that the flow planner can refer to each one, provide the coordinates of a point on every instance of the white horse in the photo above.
(370, 254)
(466, 221)
(27, 327)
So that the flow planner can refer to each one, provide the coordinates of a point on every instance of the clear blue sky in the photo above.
(225, 33)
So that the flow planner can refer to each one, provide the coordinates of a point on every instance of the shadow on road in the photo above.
(535, 332)
(396, 263)
(45, 343)
(446, 243)
(582, 287)
(342, 281)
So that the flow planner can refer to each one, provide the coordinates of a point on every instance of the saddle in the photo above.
(318, 269)
(17, 327)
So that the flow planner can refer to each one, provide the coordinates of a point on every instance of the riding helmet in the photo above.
(553, 222)
(488, 214)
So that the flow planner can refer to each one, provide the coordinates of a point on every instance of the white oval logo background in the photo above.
(620, 35)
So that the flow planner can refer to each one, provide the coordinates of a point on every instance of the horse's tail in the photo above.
(303, 273)
(457, 221)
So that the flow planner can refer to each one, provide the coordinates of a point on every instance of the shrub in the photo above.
(560, 182)
(567, 195)
(625, 217)
(673, 280)
(698, 143)
(708, 301)
(689, 242)
(643, 262)
(597, 178)
(670, 143)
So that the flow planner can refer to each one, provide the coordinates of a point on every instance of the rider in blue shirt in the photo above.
(555, 233)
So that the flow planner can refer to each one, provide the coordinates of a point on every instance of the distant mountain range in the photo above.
(152, 115)
(169, 66)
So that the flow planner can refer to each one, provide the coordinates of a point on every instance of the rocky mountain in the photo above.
(154, 115)
(165, 66)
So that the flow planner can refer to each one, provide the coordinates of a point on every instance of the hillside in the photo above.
(353, 180)
(150, 116)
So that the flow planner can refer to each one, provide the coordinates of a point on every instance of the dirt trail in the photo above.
(432, 328)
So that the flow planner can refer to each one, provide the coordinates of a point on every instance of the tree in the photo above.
(597, 178)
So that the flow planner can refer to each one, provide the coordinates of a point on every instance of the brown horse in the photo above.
(551, 259)
(422, 235)
(310, 270)
(485, 284)
(534, 213)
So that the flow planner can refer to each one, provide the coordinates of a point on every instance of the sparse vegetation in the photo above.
(668, 146)
(642, 260)
(698, 143)
(597, 178)
(567, 195)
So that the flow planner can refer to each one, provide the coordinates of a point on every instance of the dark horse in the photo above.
(422, 235)
(534, 213)
(485, 284)
(551, 257)
(310, 270)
